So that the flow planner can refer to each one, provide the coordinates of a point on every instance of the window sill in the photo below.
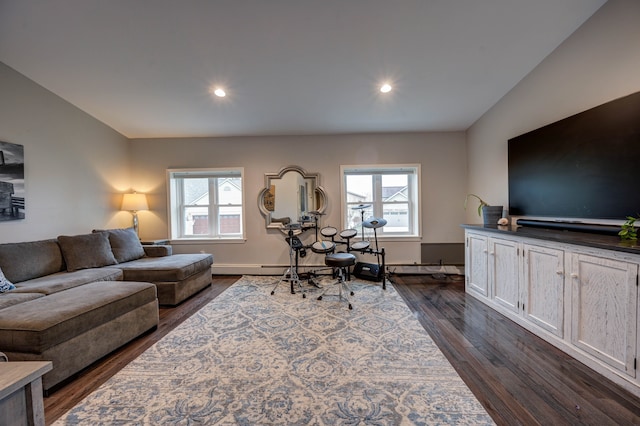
(193, 241)
(406, 238)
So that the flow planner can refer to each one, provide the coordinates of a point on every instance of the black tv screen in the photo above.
(586, 166)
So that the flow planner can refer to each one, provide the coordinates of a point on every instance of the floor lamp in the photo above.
(134, 203)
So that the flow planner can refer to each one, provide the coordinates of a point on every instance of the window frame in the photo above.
(176, 208)
(413, 194)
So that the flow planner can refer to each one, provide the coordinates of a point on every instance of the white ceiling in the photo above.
(144, 67)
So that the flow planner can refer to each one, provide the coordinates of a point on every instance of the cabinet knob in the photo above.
(560, 272)
(492, 253)
(574, 275)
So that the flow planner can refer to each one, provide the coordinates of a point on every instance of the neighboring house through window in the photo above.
(206, 203)
(390, 191)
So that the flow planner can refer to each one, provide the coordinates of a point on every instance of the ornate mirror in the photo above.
(289, 195)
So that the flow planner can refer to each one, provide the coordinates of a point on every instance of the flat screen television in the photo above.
(586, 166)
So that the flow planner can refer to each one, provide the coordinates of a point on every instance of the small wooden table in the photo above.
(21, 392)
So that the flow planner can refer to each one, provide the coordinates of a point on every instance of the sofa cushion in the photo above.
(5, 284)
(86, 251)
(13, 298)
(65, 280)
(24, 261)
(170, 268)
(39, 324)
(125, 244)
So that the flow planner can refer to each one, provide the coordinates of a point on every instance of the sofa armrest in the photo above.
(158, 251)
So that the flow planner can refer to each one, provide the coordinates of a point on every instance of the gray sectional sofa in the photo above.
(78, 298)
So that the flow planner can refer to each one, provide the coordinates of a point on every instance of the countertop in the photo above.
(596, 240)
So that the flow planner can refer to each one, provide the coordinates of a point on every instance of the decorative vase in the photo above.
(491, 214)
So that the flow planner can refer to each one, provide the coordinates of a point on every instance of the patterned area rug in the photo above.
(252, 358)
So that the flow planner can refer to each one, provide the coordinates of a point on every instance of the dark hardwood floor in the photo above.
(519, 378)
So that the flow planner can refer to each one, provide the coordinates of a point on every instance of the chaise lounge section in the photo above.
(75, 327)
(176, 276)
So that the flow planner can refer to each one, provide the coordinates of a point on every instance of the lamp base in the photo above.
(135, 223)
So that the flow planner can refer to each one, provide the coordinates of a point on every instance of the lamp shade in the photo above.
(134, 202)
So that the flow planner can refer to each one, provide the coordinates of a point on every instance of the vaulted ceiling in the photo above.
(146, 67)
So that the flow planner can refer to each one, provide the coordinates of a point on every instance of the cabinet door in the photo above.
(503, 273)
(604, 301)
(543, 288)
(476, 265)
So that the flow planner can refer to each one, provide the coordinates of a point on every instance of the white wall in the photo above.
(442, 156)
(596, 64)
(75, 166)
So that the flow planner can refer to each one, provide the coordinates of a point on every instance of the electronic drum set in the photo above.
(328, 244)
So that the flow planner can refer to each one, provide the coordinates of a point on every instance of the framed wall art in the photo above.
(12, 191)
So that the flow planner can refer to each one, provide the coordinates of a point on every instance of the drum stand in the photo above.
(376, 223)
(291, 274)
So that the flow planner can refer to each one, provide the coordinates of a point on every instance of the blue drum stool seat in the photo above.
(340, 262)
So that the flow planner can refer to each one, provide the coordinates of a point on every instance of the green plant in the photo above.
(482, 203)
(629, 231)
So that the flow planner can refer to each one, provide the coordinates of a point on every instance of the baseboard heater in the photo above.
(570, 226)
(442, 253)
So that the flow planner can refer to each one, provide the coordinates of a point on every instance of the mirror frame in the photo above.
(319, 193)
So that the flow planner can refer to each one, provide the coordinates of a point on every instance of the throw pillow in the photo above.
(28, 260)
(5, 284)
(125, 244)
(86, 251)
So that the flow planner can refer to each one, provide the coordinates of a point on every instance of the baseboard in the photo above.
(243, 269)
(426, 269)
(252, 269)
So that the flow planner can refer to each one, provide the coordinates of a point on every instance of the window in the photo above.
(206, 203)
(390, 192)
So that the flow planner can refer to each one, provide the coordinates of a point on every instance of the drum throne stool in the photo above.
(296, 250)
(340, 263)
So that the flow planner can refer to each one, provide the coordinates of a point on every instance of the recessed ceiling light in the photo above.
(219, 92)
(385, 88)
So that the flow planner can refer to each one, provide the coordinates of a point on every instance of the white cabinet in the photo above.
(581, 296)
(476, 264)
(503, 273)
(604, 296)
(543, 281)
